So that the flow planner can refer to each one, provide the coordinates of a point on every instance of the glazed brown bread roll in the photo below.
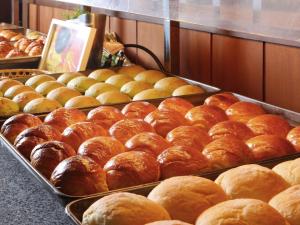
(125, 129)
(179, 161)
(226, 152)
(101, 149)
(62, 118)
(189, 136)
(168, 222)
(206, 116)
(131, 169)
(14, 53)
(77, 133)
(222, 100)
(244, 111)
(46, 156)
(138, 110)
(78, 176)
(229, 128)
(186, 197)
(251, 181)
(13, 126)
(33, 136)
(294, 137)
(287, 203)
(269, 146)
(177, 104)
(289, 171)
(147, 142)
(269, 124)
(241, 212)
(165, 121)
(124, 209)
(106, 116)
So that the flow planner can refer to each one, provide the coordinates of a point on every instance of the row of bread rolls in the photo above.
(101, 87)
(194, 200)
(238, 196)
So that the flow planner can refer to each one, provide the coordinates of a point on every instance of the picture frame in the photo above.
(68, 47)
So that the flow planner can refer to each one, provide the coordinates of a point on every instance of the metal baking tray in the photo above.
(75, 209)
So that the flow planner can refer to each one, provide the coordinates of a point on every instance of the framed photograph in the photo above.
(68, 47)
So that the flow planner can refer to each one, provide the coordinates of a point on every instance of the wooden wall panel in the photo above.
(33, 16)
(151, 36)
(59, 13)
(195, 55)
(237, 65)
(127, 32)
(45, 16)
(282, 71)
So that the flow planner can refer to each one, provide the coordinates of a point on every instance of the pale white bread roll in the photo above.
(168, 222)
(124, 209)
(241, 212)
(185, 197)
(289, 170)
(251, 181)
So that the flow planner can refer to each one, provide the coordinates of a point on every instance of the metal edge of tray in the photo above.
(19, 60)
(76, 208)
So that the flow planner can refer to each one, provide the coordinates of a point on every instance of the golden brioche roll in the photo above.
(81, 84)
(79, 175)
(6, 83)
(41, 105)
(130, 169)
(294, 137)
(63, 94)
(113, 97)
(13, 126)
(147, 142)
(8, 107)
(38, 79)
(185, 197)
(151, 94)
(124, 209)
(134, 87)
(101, 149)
(8, 34)
(244, 111)
(177, 104)
(269, 124)
(82, 102)
(15, 53)
(17, 37)
(46, 156)
(125, 129)
(269, 146)
(251, 181)
(168, 222)
(179, 161)
(16, 89)
(106, 116)
(188, 90)
(101, 74)
(229, 128)
(226, 152)
(289, 171)
(33, 136)
(189, 136)
(205, 116)
(66, 77)
(241, 212)
(169, 84)
(131, 70)
(48, 86)
(77, 133)
(221, 100)
(23, 98)
(165, 121)
(118, 80)
(287, 203)
(100, 88)
(150, 76)
(62, 118)
(138, 110)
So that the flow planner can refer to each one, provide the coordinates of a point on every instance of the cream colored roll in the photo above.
(99, 88)
(41, 105)
(82, 102)
(48, 86)
(16, 89)
(289, 171)
(81, 84)
(150, 76)
(169, 84)
(23, 98)
(188, 90)
(134, 87)
(63, 94)
(151, 94)
(8, 107)
(5, 84)
(102, 74)
(168, 222)
(131, 70)
(118, 80)
(113, 97)
(66, 77)
(37, 80)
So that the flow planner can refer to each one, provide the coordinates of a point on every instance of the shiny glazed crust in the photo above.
(177, 104)
(138, 110)
(222, 100)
